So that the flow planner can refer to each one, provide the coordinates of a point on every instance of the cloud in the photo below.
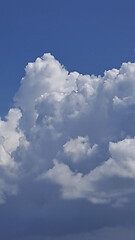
(92, 186)
(119, 232)
(67, 151)
(78, 148)
(59, 113)
(11, 137)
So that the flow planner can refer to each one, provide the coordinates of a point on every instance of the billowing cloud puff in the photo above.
(78, 148)
(11, 137)
(72, 117)
(94, 186)
(67, 153)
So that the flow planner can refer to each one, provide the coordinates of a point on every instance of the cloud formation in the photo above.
(85, 123)
(101, 234)
(67, 152)
(78, 148)
(95, 186)
(11, 137)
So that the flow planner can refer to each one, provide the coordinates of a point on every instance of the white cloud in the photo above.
(55, 106)
(70, 137)
(78, 148)
(10, 133)
(11, 137)
(92, 185)
(49, 90)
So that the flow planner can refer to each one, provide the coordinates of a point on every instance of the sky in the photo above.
(67, 107)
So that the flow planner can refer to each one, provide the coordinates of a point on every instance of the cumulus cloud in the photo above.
(67, 151)
(78, 148)
(11, 137)
(92, 186)
(69, 116)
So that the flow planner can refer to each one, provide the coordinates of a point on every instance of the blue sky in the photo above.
(86, 36)
(67, 135)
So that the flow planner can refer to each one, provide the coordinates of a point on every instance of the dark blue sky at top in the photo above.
(88, 36)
